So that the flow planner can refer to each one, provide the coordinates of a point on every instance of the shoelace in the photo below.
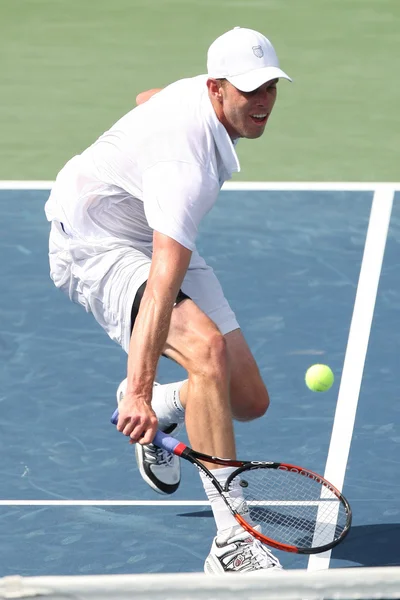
(262, 555)
(256, 555)
(158, 455)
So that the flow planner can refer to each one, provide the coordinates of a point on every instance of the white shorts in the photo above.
(103, 275)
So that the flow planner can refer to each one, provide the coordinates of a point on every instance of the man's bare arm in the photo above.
(170, 262)
(144, 96)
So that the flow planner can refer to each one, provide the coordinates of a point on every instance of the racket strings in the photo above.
(291, 508)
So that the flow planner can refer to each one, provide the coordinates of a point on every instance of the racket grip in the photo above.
(166, 442)
(161, 439)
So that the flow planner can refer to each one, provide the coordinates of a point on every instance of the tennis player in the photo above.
(124, 220)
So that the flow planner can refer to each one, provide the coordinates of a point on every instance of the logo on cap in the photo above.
(258, 51)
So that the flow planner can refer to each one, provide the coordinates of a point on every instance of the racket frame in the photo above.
(242, 466)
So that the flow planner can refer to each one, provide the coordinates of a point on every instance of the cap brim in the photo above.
(247, 82)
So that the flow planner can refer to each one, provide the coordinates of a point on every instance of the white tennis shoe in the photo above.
(159, 469)
(238, 552)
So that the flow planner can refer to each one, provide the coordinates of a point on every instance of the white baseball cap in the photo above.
(244, 57)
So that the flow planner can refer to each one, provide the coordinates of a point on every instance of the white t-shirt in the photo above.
(160, 167)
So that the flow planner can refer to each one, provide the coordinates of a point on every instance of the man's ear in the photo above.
(215, 89)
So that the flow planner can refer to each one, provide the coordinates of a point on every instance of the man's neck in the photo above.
(219, 111)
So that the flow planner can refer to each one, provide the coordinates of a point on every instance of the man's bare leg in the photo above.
(197, 345)
(247, 393)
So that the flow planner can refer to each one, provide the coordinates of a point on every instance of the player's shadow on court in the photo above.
(367, 545)
(371, 545)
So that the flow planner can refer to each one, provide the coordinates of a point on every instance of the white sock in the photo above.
(222, 515)
(167, 405)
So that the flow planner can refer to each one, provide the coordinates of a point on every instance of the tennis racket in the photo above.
(284, 506)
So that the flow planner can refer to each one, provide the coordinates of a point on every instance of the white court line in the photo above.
(26, 185)
(306, 186)
(158, 503)
(356, 350)
(257, 186)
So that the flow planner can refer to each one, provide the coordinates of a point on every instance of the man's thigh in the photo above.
(249, 395)
(190, 337)
(189, 333)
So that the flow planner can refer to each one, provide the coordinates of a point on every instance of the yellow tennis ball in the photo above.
(319, 378)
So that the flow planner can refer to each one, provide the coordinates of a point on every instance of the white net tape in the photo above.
(335, 584)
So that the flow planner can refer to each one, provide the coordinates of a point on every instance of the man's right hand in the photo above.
(137, 419)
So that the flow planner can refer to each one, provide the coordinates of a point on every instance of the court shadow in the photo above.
(367, 545)
(197, 513)
(266, 514)
(371, 545)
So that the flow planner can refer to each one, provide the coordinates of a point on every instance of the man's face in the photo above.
(246, 113)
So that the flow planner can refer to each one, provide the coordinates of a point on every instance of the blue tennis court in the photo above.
(289, 261)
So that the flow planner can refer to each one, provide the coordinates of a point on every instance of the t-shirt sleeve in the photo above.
(176, 196)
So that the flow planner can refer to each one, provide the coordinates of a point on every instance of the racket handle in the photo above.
(161, 439)
(166, 442)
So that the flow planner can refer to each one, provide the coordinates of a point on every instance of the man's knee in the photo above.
(196, 343)
(249, 401)
(211, 352)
